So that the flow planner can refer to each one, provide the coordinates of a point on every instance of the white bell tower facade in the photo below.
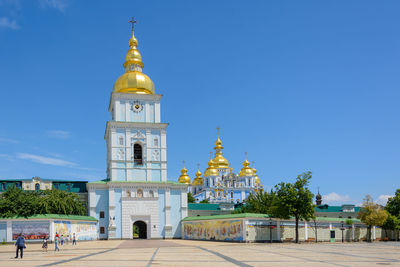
(136, 139)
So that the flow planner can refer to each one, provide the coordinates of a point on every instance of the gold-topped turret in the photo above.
(256, 179)
(211, 170)
(246, 170)
(134, 80)
(219, 161)
(198, 180)
(184, 178)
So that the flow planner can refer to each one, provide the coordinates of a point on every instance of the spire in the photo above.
(133, 59)
(134, 80)
(318, 198)
(184, 178)
(219, 160)
(198, 180)
(246, 170)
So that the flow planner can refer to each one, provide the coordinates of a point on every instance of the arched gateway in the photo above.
(140, 230)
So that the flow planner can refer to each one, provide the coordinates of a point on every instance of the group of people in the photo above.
(20, 243)
(60, 240)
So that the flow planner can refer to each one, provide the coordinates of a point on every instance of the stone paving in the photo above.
(204, 253)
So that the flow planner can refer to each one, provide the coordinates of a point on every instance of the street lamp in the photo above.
(270, 230)
(342, 229)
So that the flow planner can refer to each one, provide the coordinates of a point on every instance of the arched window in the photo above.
(121, 141)
(37, 186)
(151, 193)
(140, 193)
(138, 154)
(231, 194)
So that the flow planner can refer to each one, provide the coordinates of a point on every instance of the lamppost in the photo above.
(270, 230)
(342, 229)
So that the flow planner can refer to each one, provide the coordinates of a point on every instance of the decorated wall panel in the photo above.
(221, 230)
(82, 230)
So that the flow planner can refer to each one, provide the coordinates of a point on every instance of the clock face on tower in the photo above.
(137, 106)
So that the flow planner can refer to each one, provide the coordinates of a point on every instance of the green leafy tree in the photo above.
(372, 215)
(260, 202)
(393, 204)
(392, 223)
(16, 202)
(190, 198)
(204, 201)
(294, 200)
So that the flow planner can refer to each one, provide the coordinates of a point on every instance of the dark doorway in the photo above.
(140, 230)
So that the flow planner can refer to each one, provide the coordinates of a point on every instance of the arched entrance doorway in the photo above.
(140, 230)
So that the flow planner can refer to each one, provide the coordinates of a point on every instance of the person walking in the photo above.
(73, 239)
(44, 246)
(20, 244)
(56, 244)
(62, 240)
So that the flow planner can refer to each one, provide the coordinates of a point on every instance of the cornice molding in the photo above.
(130, 96)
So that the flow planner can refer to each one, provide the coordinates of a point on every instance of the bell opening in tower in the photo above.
(137, 154)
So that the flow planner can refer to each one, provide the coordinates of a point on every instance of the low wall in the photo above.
(37, 228)
(264, 229)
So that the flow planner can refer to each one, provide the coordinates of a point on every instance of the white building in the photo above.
(136, 191)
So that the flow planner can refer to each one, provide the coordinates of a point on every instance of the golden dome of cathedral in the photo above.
(198, 180)
(184, 178)
(256, 179)
(219, 160)
(134, 80)
(211, 170)
(246, 170)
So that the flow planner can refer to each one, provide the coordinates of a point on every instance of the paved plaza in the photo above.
(204, 253)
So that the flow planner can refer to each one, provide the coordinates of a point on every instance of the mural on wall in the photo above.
(214, 230)
(82, 230)
(31, 230)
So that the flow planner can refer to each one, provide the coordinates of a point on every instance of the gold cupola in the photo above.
(246, 170)
(198, 180)
(219, 161)
(134, 80)
(184, 178)
(256, 179)
(211, 170)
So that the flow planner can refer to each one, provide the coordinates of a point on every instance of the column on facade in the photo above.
(163, 157)
(148, 154)
(168, 226)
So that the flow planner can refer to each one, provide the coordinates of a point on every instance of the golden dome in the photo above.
(246, 170)
(198, 180)
(219, 160)
(256, 179)
(211, 170)
(184, 178)
(134, 80)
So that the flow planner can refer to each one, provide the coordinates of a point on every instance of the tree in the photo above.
(204, 201)
(294, 200)
(372, 215)
(260, 202)
(392, 223)
(393, 204)
(190, 198)
(16, 202)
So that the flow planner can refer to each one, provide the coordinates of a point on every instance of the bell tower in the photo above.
(136, 139)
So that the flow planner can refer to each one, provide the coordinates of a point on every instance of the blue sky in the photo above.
(299, 85)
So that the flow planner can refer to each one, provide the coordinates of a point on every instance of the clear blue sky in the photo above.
(299, 85)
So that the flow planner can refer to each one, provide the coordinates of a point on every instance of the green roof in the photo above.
(203, 206)
(139, 182)
(227, 216)
(55, 216)
(331, 219)
(327, 208)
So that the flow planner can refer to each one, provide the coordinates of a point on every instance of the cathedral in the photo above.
(136, 193)
(219, 184)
